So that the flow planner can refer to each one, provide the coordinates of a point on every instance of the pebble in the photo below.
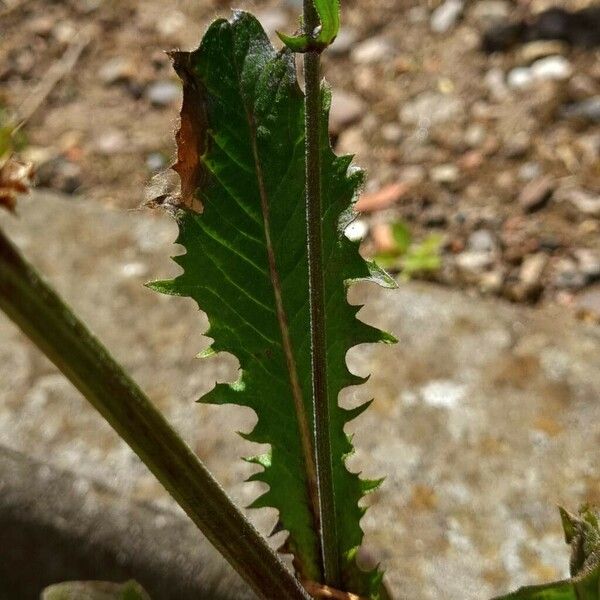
(64, 31)
(533, 51)
(488, 11)
(112, 141)
(116, 70)
(346, 109)
(391, 132)
(586, 202)
(532, 269)
(446, 173)
(552, 68)
(536, 194)
(519, 78)
(59, 174)
(471, 160)
(445, 16)
(491, 282)
(474, 262)
(431, 108)
(475, 135)
(567, 275)
(373, 50)
(588, 262)
(588, 110)
(529, 171)
(163, 93)
(481, 240)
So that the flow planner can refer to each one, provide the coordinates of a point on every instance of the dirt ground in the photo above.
(499, 153)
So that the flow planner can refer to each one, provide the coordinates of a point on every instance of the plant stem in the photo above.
(328, 533)
(65, 340)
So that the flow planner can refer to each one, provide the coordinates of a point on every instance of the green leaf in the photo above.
(241, 149)
(582, 533)
(423, 257)
(410, 257)
(328, 12)
(95, 590)
(329, 15)
(297, 43)
(402, 236)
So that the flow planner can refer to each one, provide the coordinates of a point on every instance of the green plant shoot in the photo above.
(408, 256)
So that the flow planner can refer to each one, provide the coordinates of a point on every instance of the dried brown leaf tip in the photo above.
(164, 190)
(15, 178)
(191, 145)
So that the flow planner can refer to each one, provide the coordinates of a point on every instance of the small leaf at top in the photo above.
(324, 35)
(329, 16)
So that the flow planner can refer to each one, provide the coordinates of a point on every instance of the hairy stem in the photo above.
(65, 340)
(329, 542)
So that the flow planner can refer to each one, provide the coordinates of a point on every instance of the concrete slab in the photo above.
(486, 414)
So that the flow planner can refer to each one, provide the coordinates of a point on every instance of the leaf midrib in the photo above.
(304, 429)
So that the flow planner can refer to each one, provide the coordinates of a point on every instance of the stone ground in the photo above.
(486, 414)
(499, 154)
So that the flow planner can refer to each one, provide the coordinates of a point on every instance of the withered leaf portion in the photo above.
(241, 156)
(191, 137)
(176, 187)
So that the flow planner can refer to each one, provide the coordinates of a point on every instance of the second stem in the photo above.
(327, 517)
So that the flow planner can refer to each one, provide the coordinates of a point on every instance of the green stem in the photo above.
(329, 541)
(65, 340)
